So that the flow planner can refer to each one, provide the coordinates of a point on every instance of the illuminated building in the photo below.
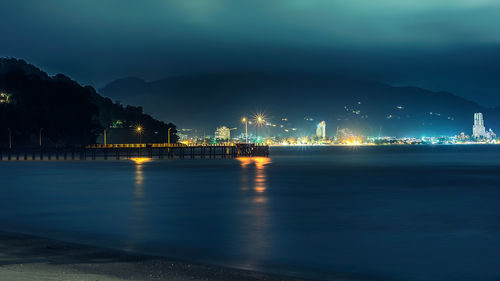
(478, 130)
(462, 137)
(117, 124)
(222, 133)
(490, 134)
(321, 130)
(182, 136)
(4, 98)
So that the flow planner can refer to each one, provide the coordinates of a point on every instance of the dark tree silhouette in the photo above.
(70, 115)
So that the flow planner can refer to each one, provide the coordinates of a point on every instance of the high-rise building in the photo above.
(478, 130)
(321, 130)
(222, 133)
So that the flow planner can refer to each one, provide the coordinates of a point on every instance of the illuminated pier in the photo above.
(131, 151)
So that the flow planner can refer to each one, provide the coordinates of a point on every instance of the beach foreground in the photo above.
(25, 257)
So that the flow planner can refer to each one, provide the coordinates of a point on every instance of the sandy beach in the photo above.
(26, 258)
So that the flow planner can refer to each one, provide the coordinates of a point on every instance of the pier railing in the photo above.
(128, 151)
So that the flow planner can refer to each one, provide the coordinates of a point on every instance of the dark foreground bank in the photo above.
(24, 257)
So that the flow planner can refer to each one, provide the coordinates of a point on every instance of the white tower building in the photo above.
(321, 130)
(478, 130)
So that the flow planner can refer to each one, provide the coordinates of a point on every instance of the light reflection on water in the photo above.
(258, 222)
(260, 173)
(139, 178)
(140, 160)
(138, 216)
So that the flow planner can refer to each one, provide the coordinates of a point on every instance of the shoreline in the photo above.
(27, 257)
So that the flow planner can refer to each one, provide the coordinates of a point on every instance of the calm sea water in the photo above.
(381, 213)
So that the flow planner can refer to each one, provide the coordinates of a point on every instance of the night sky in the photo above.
(451, 45)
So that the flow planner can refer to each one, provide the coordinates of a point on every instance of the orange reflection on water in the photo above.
(138, 211)
(259, 200)
(139, 178)
(254, 183)
(261, 162)
(244, 161)
(260, 181)
(140, 160)
(260, 176)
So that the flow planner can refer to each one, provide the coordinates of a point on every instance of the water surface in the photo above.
(385, 212)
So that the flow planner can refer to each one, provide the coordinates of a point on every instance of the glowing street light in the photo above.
(245, 120)
(259, 120)
(139, 130)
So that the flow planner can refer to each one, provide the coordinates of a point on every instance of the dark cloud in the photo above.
(441, 45)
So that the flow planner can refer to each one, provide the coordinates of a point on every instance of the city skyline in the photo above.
(478, 134)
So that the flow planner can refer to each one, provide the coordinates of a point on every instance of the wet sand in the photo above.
(25, 257)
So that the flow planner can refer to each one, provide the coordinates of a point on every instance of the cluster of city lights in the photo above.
(4, 97)
(343, 136)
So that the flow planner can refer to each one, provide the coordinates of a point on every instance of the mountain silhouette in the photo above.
(205, 101)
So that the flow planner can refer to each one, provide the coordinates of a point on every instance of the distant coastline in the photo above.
(385, 144)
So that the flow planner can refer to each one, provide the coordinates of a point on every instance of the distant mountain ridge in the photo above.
(209, 100)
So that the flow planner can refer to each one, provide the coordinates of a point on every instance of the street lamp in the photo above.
(259, 120)
(139, 131)
(169, 135)
(245, 120)
(41, 129)
(229, 134)
(10, 138)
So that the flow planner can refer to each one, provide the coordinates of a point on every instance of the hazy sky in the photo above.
(451, 45)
